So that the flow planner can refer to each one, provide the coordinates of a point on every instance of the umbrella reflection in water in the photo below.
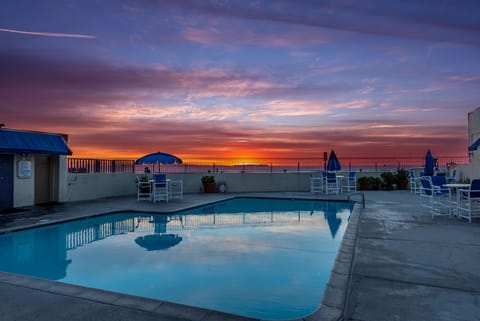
(160, 240)
(330, 215)
(156, 242)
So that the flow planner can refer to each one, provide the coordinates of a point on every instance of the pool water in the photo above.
(262, 258)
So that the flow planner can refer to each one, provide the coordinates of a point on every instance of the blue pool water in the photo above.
(263, 258)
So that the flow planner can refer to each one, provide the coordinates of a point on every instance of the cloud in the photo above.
(48, 34)
(215, 35)
(415, 20)
(464, 78)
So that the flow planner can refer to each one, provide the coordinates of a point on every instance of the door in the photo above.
(6, 182)
(42, 180)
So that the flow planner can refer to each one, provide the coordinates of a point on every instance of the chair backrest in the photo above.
(351, 176)
(427, 185)
(439, 180)
(160, 180)
(331, 177)
(475, 188)
(412, 174)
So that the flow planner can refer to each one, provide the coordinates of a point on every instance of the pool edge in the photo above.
(335, 295)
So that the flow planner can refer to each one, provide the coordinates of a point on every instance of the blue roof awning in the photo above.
(24, 142)
(474, 146)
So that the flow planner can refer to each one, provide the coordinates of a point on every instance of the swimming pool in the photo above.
(263, 258)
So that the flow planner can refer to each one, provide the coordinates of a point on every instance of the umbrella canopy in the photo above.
(333, 163)
(158, 158)
(156, 242)
(429, 164)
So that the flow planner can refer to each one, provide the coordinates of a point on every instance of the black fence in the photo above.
(86, 165)
(253, 165)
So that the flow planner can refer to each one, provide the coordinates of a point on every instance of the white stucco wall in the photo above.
(474, 126)
(94, 186)
(62, 179)
(472, 170)
(23, 188)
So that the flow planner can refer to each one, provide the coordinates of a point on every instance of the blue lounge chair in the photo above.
(469, 201)
(160, 188)
(433, 197)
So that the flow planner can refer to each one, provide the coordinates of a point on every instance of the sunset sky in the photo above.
(242, 78)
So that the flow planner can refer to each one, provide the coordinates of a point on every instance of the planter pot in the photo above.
(209, 187)
(403, 184)
(364, 186)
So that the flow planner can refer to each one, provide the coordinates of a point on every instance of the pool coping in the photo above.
(331, 308)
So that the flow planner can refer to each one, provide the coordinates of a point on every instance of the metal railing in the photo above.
(256, 165)
(88, 166)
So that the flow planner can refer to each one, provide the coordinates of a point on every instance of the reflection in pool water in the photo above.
(264, 258)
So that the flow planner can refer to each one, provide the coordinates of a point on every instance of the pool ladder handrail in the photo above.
(358, 193)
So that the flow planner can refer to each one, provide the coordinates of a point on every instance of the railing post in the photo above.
(97, 166)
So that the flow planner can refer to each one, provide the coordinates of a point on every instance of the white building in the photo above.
(32, 167)
(471, 170)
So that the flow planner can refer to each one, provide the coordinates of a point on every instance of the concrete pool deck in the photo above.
(405, 267)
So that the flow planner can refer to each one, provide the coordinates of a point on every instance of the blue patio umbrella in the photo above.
(333, 162)
(158, 158)
(429, 164)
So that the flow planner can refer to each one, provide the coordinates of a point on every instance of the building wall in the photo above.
(23, 188)
(474, 125)
(472, 170)
(94, 186)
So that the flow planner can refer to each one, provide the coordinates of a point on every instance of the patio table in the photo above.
(451, 187)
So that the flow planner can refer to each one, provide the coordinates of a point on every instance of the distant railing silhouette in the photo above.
(256, 165)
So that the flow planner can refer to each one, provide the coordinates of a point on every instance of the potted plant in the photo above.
(402, 178)
(364, 183)
(375, 183)
(389, 179)
(208, 182)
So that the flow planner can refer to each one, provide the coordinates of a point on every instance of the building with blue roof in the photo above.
(32, 167)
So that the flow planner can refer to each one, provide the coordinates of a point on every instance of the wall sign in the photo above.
(24, 169)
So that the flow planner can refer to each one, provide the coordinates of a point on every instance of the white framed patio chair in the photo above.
(414, 183)
(352, 182)
(316, 184)
(433, 198)
(453, 177)
(331, 183)
(175, 189)
(144, 188)
(160, 188)
(469, 201)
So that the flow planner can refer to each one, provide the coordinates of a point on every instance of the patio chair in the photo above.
(160, 188)
(331, 183)
(433, 197)
(316, 184)
(438, 183)
(414, 183)
(352, 182)
(144, 188)
(175, 189)
(469, 201)
(452, 177)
